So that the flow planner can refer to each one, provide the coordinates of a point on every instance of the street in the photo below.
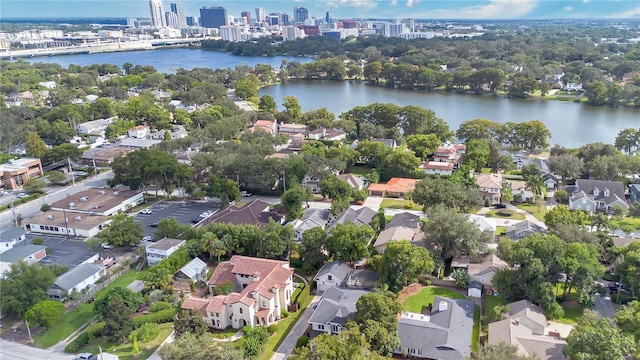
(15, 351)
(289, 343)
(604, 307)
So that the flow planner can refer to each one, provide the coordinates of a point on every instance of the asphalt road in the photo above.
(15, 351)
(604, 307)
(67, 252)
(289, 343)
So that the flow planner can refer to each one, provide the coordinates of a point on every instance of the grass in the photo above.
(488, 303)
(627, 221)
(125, 350)
(475, 333)
(500, 230)
(223, 334)
(284, 326)
(415, 303)
(512, 214)
(79, 316)
(533, 210)
(359, 170)
(572, 310)
(399, 204)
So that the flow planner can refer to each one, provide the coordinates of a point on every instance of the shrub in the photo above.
(284, 314)
(37, 241)
(45, 207)
(273, 328)
(160, 317)
(302, 341)
(77, 343)
(159, 305)
(147, 332)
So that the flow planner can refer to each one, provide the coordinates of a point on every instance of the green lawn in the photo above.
(500, 230)
(284, 326)
(499, 214)
(571, 314)
(415, 303)
(359, 170)
(628, 221)
(399, 204)
(488, 303)
(533, 210)
(125, 351)
(475, 333)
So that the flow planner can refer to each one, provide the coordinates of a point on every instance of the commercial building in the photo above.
(292, 33)
(29, 254)
(247, 16)
(99, 201)
(18, 171)
(157, 15)
(300, 14)
(230, 33)
(213, 17)
(9, 237)
(65, 223)
(178, 9)
(260, 15)
(162, 249)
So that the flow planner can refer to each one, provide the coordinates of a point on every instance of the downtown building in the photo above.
(157, 15)
(213, 17)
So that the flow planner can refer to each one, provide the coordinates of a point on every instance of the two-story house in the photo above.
(596, 195)
(337, 306)
(9, 237)
(403, 226)
(139, 132)
(490, 187)
(310, 219)
(262, 290)
(162, 249)
(450, 153)
(437, 168)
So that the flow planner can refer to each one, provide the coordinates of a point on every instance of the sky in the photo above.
(423, 9)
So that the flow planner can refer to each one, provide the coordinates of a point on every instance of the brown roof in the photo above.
(254, 213)
(74, 220)
(222, 273)
(94, 199)
(165, 244)
(490, 263)
(396, 185)
(216, 304)
(107, 154)
(194, 303)
(491, 181)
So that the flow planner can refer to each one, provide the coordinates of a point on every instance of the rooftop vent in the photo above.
(443, 306)
(116, 193)
(72, 204)
(84, 199)
(101, 192)
(50, 217)
(78, 218)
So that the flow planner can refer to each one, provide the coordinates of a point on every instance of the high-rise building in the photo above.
(178, 9)
(291, 33)
(172, 19)
(260, 15)
(230, 33)
(247, 15)
(284, 19)
(157, 15)
(273, 19)
(300, 14)
(192, 21)
(327, 17)
(213, 17)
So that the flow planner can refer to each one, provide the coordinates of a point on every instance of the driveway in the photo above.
(13, 350)
(67, 252)
(604, 307)
(289, 343)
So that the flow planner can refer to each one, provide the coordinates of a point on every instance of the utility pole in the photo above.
(284, 181)
(29, 331)
(13, 211)
(66, 223)
(73, 179)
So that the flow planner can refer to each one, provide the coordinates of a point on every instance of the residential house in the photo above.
(95, 127)
(131, 143)
(292, 129)
(28, 253)
(526, 327)
(337, 306)
(162, 249)
(520, 191)
(551, 181)
(254, 213)
(359, 217)
(490, 187)
(596, 195)
(482, 224)
(262, 291)
(443, 333)
(312, 182)
(10, 236)
(16, 172)
(310, 219)
(356, 182)
(194, 270)
(522, 229)
(139, 132)
(573, 87)
(634, 192)
(484, 271)
(99, 201)
(520, 158)
(395, 187)
(269, 126)
(63, 223)
(623, 241)
(437, 168)
(403, 226)
(450, 153)
(332, 274)
(176, 132)
(334, 135)
(390, 143)
(48, 84)
(75, 281)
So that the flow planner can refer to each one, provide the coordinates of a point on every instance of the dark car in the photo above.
(501, 206)
(154, 225)
(86, 356)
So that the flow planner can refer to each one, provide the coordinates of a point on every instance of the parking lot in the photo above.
(183, 212)
(65, 252)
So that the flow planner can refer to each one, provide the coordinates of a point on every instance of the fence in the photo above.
(91, 292)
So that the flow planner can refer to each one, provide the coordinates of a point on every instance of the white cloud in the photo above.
(586, 1)
(633, 13)
(495, 9)
(394, 2)
(410, 3)
(567, 8)
(353, 3)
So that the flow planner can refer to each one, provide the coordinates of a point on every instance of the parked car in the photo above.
(246, 194)
(145, 211)
(501, 206)
(106, 246)
(22, 195)
(86, 356)
(153, 225)
(206, 214)
(147, 238)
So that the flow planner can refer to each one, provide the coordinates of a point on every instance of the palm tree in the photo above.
(600, 221)
(535, 183)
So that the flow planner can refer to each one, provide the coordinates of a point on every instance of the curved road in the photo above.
(15, 351)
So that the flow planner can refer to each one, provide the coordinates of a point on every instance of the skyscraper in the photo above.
(327, 17)
(157, 15)
(260, 15)
(300, 14)
(246, 14)
(178, 9)
(192, 21)
(172, 19)
(213, 17)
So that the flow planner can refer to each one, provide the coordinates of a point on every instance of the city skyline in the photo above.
(428, 9)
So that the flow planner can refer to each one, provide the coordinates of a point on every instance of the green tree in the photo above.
(34, 185)
(535, 184)
(222, 188)
(312, 249)
(477, 154)
(131, 300)
(246, 89)
(189, 321)
(348, 242)
(597, 338)
(277, 241)
(568, 166)
(47, 313)
(502, 351)
(400, 163)
(34, 146)
(62, 152)
(268, 104)
(348, 344)
(203, 347)
(563, 215)
(461, 278)
(449, 233)
(118, 322)
(433, 191)
(596, 93)
(628, 319)
(292, 108)
(170, 228)
(292, 201)
(56, 177)
(377, 316)
(423, 145)
(122, 230)
(628, 139)
(159, 278)
(402, 263)
(476, 129)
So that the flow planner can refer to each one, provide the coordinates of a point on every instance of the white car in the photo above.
(246, 194)
(206, 214)
(22, 195)
(145, 211)
(147, 238)
(106, 246)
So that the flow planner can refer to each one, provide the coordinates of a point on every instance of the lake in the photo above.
(571, 124)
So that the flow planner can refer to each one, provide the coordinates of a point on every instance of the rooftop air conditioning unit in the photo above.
(72, 204)
(116, 193)
(50, 217)
(78, 218)
(84, 199)
(101, 192)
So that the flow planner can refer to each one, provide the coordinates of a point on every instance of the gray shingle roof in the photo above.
(337, 269)
(193, 268)
(20, 253)
(405, 219)
(76, 275)
(337, 305)
(312, 218)
(362, 216)
(12, 233)
(523, 229)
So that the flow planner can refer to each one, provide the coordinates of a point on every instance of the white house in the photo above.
(9, 237)
(162, 249)
(75, 280)
(139, 132)
(262, 290)
(28, 253)
(332, 274)
(95, 127)
(436, 167)
(66, 223)
(337, 306)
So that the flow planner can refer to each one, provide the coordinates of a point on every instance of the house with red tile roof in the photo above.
(395, 187)
(262, 290)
